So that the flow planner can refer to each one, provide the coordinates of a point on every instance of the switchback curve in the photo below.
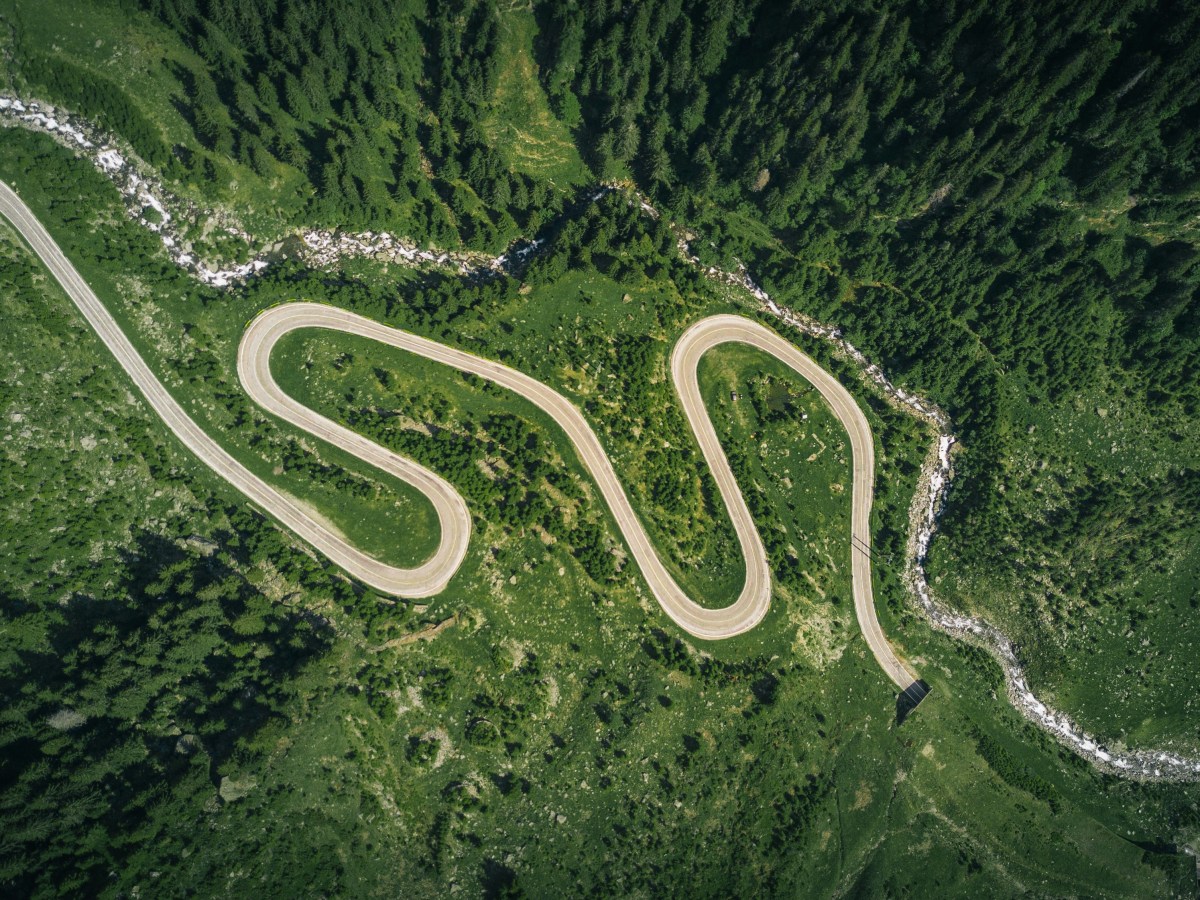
(433, 575)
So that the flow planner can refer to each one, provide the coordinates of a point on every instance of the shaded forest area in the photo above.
(999, 203)
(367, 99)
(974, 190)
(152, 689)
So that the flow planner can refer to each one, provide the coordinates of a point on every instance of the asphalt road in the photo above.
(254, 352)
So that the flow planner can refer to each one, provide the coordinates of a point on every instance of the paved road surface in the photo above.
(746, 611)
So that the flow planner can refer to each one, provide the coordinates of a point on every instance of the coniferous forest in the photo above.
(997, 202)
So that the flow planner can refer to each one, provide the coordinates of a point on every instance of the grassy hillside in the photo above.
(996, 202)
(552, 731)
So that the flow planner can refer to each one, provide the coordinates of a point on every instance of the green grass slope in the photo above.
(251, 717)
(997, 203)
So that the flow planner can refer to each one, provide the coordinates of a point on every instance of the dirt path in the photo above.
(431, 577)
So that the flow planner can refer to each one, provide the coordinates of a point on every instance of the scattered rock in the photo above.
(66, 719)
(203, 546)
(236, 788)
(187, 745)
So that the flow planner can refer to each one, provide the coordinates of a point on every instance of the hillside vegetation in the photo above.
(209, 707)
(999, 202)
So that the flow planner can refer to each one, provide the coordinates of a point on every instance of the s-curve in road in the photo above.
(429, 578)
(752, 603)
(254, 353)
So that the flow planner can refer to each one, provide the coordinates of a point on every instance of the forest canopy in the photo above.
(998, 202)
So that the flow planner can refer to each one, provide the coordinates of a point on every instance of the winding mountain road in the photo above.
(432, 576)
